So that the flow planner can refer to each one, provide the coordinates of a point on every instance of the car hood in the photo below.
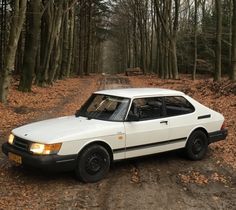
(66, 129)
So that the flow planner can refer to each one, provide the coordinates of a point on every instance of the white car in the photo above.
(114, 125)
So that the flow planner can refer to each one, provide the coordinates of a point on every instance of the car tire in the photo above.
(197, 145)
(93, 164)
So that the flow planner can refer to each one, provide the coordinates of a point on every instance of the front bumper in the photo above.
(218, 135)
(47, 162)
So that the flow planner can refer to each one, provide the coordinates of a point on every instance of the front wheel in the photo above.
(197, 145)
(93, 164)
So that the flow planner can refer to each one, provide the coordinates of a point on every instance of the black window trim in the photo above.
(194, 109)
(141, 120)
(163, 106)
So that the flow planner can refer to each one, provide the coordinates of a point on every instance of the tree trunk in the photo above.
(195, 40)
(88, 38)
(19, 54)
(71, 40)
(233, 54)
(174, 39)
(65, 50)
(170, 31)
(15, 30)
(217, 76)
(31, 45)
(81, 38)
(56, 67)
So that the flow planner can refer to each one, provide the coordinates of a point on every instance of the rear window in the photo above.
(177, 105)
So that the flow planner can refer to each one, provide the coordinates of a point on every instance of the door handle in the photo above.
(166, 122)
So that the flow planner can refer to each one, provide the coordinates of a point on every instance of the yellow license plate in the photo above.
(15, 158)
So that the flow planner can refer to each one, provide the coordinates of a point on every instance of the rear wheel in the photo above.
(93, 164)
(197, 145)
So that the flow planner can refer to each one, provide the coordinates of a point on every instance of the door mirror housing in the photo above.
(77, 113)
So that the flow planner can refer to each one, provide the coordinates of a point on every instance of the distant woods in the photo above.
(171, 36)
(45, 40)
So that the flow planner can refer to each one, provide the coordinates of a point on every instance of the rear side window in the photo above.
(177, 105)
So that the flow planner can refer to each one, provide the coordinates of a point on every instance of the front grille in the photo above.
(21, 144)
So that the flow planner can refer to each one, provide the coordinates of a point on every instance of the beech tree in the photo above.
(233, 58)
(195, 38)
(31, 45)
(218, 6)
(18, 17)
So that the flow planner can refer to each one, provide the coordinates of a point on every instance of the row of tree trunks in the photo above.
(138, 29)
(169, 69)
(50, 25)
(59, 37)
(156, 38)
(15, 31)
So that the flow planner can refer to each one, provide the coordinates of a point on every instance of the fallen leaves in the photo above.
(218, 178)
(47, 102)
(135, 176)
(201, 179)
(193, 177)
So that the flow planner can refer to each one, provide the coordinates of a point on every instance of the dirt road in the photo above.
(164, 181)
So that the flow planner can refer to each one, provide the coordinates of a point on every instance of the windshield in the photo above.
(105, 107)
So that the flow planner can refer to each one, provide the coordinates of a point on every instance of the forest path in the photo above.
(113, 81)
(163, 181)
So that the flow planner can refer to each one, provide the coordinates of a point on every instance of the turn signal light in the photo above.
(223, 126)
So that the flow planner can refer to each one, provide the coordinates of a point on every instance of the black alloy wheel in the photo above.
(197, 145)
(93, 163)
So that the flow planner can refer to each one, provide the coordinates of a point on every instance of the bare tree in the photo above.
(217, 76)
(31, 44)
(18, 17)
(233, 59)
(195, 38)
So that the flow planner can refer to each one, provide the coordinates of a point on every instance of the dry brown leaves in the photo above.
(220, 96)
(135, 175)
(46, 102)
(201, 179)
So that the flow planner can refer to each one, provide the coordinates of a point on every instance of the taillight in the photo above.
(223, 126)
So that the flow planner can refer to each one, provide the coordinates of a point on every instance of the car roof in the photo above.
(139, 92)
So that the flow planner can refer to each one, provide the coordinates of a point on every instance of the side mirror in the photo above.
(132, 118)
(77, 112)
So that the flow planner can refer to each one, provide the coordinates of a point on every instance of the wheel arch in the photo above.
(101, 143)
(204, 130)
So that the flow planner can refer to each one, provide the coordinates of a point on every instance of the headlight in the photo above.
(11, 138)
(45, 149)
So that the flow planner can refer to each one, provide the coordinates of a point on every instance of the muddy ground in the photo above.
(163, 181)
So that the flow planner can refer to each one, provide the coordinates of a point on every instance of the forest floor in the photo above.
(163, 181)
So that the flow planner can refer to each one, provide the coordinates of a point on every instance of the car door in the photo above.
(146, 128)
(180, 118)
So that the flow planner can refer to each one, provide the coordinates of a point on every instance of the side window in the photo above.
(177, 105)
(147, 108)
